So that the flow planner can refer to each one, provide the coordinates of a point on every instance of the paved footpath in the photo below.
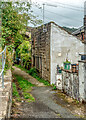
(44, 106)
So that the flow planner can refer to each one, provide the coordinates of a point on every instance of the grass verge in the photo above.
(26, 87)
(15, 92)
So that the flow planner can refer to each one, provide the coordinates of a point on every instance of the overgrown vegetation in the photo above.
(33, 73)
(15, 92)
(16, 16)
(25, 88)
(24, 53)
(54, 87)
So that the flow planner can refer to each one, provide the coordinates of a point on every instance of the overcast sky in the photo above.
(68, 13)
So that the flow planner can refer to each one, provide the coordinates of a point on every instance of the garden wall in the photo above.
(73, 84)
(6, 96)
(69, 84)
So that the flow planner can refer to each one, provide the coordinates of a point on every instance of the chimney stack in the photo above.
(85, 21)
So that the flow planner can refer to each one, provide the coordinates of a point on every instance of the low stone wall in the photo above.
(70, 84)
(6, 96)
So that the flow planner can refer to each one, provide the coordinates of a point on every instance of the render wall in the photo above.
(82, 80)
(61, 42)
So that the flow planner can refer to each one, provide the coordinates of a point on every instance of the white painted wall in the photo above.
(60, 43)
(82, 81)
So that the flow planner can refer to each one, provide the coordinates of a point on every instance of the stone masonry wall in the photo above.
(6, 96)
(73, 84)
(41, 50)
(70, 84)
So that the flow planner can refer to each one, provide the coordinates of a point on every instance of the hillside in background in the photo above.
(70, 30)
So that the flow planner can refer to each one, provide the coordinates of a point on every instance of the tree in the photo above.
(24, 52)
(15, 18)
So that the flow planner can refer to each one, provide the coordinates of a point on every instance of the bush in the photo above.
(33, 72)
(54, 88)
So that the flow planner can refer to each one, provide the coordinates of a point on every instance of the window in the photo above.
(33, 60)
(37, 62)
(41, 64)
(33, 42)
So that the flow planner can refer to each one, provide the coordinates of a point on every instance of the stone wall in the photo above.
(73, 84)
(6, 96)
(41, 50)
(70, 84)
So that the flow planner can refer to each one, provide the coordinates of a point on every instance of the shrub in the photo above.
(54, 87)
(33, 72)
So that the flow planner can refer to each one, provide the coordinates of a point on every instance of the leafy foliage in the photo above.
(24, 51)
(54, 87)
(15, 18)
(33, 72)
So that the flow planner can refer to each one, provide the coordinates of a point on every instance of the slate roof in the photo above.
(81, 29)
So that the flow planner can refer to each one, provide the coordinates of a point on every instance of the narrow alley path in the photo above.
(44, 105)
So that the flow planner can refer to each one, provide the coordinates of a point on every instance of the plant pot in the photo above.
(60, 71)
(74, 68)
(67, 66)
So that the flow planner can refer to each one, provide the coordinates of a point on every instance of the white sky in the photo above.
(71, 2)
(70, 13)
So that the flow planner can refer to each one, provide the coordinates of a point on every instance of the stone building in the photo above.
(51, 48)
(41, 50)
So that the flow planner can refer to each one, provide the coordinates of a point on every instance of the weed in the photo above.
(18, 99)
(28, 96)
(15, 92)
(54, 87)
(26, 87)
(33, 72)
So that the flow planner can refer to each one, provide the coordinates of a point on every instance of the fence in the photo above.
(2, 65)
